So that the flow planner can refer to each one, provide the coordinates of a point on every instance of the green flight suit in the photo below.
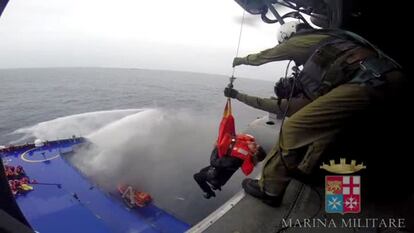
(311, 127)
(297, 48)
(272, 105)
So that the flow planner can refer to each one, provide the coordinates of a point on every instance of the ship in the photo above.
(61, 199)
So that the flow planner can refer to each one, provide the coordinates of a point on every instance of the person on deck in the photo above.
(343, 76)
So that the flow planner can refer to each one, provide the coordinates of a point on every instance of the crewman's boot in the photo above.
(252, 188)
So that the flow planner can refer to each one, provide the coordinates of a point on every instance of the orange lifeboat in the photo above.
(134, 198)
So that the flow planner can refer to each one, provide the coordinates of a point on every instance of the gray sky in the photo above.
(184, 35)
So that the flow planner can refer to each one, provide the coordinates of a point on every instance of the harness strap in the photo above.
(372, 70)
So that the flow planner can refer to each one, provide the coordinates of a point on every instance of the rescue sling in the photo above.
(227, 130)
(241, 146)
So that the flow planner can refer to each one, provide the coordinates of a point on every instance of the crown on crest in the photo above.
(343, 167)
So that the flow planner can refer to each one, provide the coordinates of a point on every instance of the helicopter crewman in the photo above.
(343, 75)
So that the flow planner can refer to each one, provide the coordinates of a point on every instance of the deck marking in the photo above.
(23, 157)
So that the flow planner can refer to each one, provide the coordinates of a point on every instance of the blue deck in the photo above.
(56, 208)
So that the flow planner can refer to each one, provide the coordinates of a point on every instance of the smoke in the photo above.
(154, 150)
(144, 146)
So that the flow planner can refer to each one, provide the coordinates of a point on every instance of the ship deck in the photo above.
(66, 201)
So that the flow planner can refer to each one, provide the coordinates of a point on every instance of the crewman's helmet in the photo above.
(287, 30)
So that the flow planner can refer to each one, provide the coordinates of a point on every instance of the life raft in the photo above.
(134, 198)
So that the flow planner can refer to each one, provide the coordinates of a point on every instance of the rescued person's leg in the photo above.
(222, 177)
(201, 179)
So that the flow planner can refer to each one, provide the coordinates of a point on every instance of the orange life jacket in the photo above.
(244, 147)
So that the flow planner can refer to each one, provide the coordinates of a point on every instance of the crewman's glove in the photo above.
(239, 61)
(230, 92)
(259, 156)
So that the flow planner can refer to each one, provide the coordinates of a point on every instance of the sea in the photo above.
(152, 129)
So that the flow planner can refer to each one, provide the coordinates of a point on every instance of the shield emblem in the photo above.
(343, 194)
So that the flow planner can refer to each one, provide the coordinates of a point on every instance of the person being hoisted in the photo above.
(229, 154)
(343, 77)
